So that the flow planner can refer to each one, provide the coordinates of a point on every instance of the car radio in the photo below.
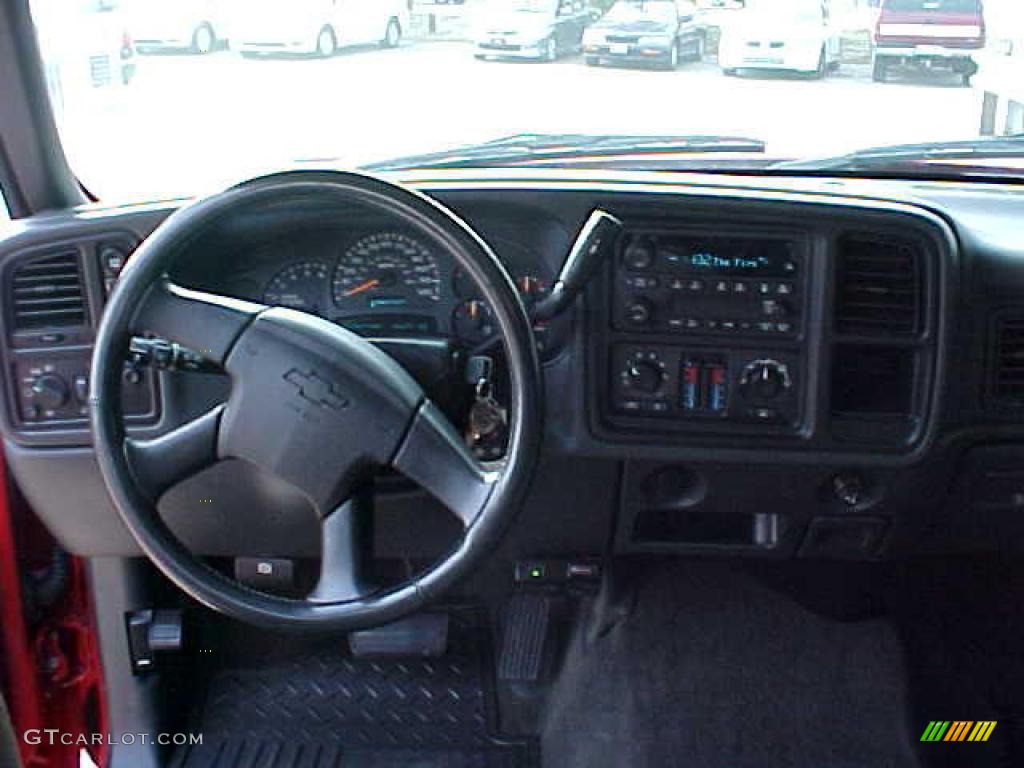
(696, 283)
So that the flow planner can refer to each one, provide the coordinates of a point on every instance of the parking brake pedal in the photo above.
(150, 631)
(525, 622)
(424, 635)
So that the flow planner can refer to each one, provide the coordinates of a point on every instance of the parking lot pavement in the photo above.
(195, 122)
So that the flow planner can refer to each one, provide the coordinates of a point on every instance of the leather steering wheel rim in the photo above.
(321, 386)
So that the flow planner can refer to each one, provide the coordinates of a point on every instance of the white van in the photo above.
(796, 35)
(317, 27)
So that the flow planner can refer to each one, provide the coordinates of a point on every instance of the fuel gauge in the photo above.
(473, 321)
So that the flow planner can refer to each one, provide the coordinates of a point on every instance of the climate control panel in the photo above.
(743, 386)
(707, 284)
(53, 389)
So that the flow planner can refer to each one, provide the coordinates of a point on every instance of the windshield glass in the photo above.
(168, 98)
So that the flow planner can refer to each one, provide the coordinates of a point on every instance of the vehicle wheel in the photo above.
(965, 79)
(880, 71)
(550, 50)
(326, 43)
(592, 61)
(672, 62)
(204, 40)
(730, 72)
(392, 35)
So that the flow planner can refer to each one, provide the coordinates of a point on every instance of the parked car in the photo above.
(659, 32)
(197, 26)
(797, 36)
(530, 29)
(95, 60)
(1000, 78)
(928, 35)
(318, 27)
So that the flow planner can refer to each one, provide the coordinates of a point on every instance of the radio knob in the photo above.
(765, 379)
(50, 391)
(644, 377)
(640, 311)
(639, 255)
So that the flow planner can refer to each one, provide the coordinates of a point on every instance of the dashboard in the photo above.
(759, 367)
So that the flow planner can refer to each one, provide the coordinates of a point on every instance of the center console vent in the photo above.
(878, 287)
(48, 292)
(1006, 383)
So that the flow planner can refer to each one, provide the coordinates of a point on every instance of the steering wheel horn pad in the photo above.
(314, 404)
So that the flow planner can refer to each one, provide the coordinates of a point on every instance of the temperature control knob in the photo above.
(765, 379)
(639, 311)
(50, 391)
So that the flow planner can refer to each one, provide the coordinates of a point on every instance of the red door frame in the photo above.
(52, 671)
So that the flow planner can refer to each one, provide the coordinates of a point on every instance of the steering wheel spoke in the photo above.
(343, 553)
(206, 323)
(434, 456)
(162, 462)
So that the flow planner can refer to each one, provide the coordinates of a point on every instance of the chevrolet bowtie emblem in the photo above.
(316, 390)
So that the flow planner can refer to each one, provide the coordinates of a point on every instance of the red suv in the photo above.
(929, 35)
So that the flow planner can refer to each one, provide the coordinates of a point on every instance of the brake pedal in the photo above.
(424, 635)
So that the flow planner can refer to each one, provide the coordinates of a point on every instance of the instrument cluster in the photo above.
(389, 283)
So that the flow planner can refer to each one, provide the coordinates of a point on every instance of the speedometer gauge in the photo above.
(302, 285)
(386, 270)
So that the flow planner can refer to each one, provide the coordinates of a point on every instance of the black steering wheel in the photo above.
(312, 403)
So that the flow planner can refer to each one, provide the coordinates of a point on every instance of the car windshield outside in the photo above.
(157, 99)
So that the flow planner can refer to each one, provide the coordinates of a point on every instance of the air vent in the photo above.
(878, 287)
(48, 293)
(1007, 382)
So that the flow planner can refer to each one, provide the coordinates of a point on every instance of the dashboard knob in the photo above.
(640, 311)
(639, 255)
(774, 308)
(644, 377)
(765, 379)
(50, 391)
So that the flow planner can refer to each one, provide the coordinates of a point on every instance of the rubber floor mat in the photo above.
(326, 710)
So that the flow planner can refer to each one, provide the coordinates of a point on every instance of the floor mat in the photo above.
(712, 669)
(326, 710)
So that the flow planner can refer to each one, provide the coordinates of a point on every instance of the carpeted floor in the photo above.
(712, 669)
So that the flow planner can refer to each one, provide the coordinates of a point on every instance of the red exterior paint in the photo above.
(52, 672)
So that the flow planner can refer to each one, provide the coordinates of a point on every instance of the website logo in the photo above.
(959, 730)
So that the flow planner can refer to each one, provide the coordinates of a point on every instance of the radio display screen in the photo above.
(727, 256)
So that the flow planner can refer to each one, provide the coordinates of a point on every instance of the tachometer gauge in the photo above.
(386, 270)
(302, 285)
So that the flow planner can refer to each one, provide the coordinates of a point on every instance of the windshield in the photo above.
(166, 98)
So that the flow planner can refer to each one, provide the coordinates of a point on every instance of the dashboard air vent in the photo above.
(878, 287)
(48, 292)
(1007, 382)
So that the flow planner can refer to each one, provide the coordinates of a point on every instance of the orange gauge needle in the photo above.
(373, 283)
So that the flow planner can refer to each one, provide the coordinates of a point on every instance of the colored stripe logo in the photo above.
(959, 730)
